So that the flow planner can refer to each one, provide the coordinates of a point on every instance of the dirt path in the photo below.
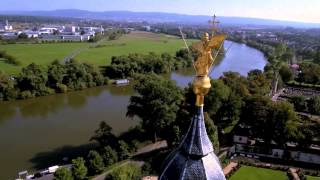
(145, 149)
(151, 147)
(229, 168)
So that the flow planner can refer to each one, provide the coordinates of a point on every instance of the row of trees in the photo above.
(35, 80)
(128, 65)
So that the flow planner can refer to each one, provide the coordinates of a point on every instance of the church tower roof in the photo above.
(194, 158)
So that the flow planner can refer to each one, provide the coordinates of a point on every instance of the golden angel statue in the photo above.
(205, 47)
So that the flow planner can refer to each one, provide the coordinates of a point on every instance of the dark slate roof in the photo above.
(194, 158)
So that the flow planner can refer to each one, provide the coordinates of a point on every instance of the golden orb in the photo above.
(201, 87)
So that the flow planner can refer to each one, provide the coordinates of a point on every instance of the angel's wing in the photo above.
(216, 41)
(198, 46)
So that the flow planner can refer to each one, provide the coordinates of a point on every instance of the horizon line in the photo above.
(261, 18)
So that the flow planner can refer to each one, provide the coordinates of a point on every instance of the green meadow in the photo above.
(97, 54)
(313, 178)
(253, 173)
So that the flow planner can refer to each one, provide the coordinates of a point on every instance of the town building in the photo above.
(6, 27)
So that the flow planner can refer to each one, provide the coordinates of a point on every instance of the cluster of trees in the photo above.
(110, 150)
(164, 111)
(9, 59)
(128, 65)
(35, 80)
(309, 73)
(234, 101)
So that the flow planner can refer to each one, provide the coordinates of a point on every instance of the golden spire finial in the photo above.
(204, 62)
(214, 24)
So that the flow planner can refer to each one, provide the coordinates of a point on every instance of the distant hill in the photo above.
(156, 17)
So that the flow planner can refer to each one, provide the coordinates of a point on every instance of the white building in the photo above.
(6, 27)
(93, 29)
(47, 30)
(70, 29)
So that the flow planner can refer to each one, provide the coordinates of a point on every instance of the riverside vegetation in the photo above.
(36, 80)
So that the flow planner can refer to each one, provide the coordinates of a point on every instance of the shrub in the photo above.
(61, 88)
(26, 95)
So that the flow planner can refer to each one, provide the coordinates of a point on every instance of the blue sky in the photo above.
(296, 10)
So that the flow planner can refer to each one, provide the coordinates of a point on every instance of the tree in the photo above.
(95, 163)
(310, 73)
(7, 89)
(255, 114)
(299, 103)
(212, 131)
(104, 136)
(56, 72)
(123, 150)
(130, 171)
(34, 78)
(258, 83)
(157, 104)
(314, 105)
(109, 156)
(275, 66)
(79, 169)
(218, 94)
(285, 123)
(63, 174)
(286, 73)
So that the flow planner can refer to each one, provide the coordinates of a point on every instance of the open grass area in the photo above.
(140, 42)
(253, 173)
(37, 53)
(135, 42)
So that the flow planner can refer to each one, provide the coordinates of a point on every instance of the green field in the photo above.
(253, 173)
(140, 42)
(313, 178)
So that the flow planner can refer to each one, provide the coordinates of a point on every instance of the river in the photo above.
(38, 132)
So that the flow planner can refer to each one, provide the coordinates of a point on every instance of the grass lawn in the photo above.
(253, 173)
(135, 42)
(313, 178)
(140, 42)
(37, 53)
